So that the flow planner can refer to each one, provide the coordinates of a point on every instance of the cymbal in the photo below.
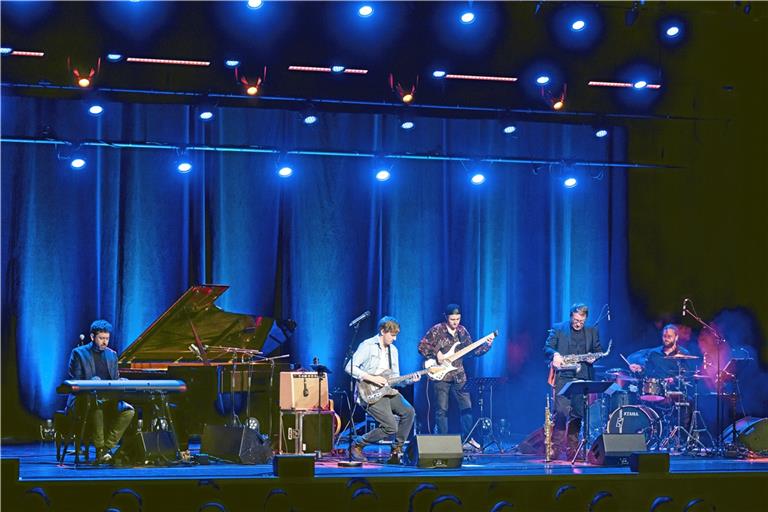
(681, 356)
(620, 373)
(702, 376)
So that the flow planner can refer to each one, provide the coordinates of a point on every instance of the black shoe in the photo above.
(396, 455)
(103, 456)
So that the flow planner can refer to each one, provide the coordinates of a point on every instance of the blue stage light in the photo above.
(232, 63)
(337, 69)
(510, 128)
(95, 109)
(114, 57)
(569, 182)
(365, 11)
(478, 179)
(5, 50)
(542, 80)
(285, 171)
(310, 119)
(673, 31)
(467, 17)
(255, 4)
(77, 163)
(206, 115)
(383, 175)
(184, 167)
(407, 125)
(600, 133)
(438, 73)
(578, 25)
(640, 84)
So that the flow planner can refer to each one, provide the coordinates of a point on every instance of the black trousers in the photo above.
(394, 415)
(443, 392)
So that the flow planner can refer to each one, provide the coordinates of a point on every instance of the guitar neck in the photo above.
(408, 376)
(469, 348)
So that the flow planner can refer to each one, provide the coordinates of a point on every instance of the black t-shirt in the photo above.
(100, 362)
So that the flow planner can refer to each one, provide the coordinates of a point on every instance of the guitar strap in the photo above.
(389, 355)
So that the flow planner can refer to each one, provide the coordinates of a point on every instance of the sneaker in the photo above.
(472, 446)
(103, 456)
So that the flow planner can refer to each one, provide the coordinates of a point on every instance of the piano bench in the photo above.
(66, 433)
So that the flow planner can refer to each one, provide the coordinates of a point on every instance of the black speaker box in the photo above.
(649, 462)
(307, 432)
(240, 445)
(435, 452)
(147, 448)
(751, 432)
(616, 449)
(292, 466)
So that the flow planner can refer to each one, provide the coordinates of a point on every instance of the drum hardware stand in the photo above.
(694, 436)
(484, 422)
(678, 404)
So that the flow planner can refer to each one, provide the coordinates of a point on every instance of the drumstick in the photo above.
(624, 358)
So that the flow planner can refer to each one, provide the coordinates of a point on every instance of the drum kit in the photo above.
(665, 410)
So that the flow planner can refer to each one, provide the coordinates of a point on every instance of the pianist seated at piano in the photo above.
(110, 418)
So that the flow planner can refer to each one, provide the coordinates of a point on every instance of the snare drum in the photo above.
(653, 390)
(636, 419)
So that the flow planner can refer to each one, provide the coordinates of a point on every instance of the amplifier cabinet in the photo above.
(299, 391)
(306, 432)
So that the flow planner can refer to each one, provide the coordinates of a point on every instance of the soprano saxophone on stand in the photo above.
(548, 425)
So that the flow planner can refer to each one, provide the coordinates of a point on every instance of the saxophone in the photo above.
(547, 433)
(571, 362)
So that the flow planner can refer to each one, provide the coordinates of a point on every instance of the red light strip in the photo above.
(483, 77)
(621, 84)
(20, 53)
(174, 62)
(309, 68)
(356, 71)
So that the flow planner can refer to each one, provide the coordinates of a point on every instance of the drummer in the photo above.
(661, 362)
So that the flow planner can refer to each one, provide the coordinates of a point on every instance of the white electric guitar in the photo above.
(449, 357)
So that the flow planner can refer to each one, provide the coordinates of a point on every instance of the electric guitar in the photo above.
(449, 357)
(369, 393)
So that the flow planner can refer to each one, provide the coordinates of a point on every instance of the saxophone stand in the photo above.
(349, 463)
(484, 423)
(584, 388)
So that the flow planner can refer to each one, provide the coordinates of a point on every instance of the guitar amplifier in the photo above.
(306, 432)
(301, 391)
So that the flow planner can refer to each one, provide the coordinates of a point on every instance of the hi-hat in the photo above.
(681, 356)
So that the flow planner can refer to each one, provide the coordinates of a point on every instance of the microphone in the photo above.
(684, 303)
(82, 340)
(306, 388)
(359, 319)
(609, 312)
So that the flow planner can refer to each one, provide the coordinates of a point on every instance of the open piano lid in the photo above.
(169, 337)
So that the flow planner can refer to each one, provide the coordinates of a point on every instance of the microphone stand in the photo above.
(349, 463)
(720, 448)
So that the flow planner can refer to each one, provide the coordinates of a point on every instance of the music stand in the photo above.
(731, 371)
(584, 388)
(480, 384)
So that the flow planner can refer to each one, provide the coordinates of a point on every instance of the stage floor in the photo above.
(37, 463)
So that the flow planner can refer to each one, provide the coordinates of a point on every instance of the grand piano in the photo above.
(230, 362)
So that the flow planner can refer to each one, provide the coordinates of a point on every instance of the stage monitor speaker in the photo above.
(299, 391)
(293, 466)
(640, 462)
(435, 452)
(751, 432)
(616, 449)
(155, 447)
(240, 445)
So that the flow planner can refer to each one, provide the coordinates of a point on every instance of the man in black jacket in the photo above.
(567, 338)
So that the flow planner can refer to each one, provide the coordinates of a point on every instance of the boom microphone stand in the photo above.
(355, 324)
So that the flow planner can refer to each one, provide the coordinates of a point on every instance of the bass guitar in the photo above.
(369, 393)
(452, 355)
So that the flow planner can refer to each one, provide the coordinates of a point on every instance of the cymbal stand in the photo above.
(679, 428)
(698, 425)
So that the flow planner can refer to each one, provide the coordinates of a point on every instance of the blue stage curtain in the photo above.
(124, 237)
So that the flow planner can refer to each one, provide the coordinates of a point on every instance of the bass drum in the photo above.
(636, 419)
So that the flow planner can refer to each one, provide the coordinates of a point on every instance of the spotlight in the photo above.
(252, 90)
(640, 84)
(478, 179)
(558, 104)
(231, 63)
(673, 31)
(383, 175)
(438, 73)
(310, 119)
(83, 79)
(510, 128)
(365, 11)
(601, 132)
(542, 80)
(407, 125)
(569, 182)
(405, 95)
(5, 50)
(337, 69)
(285, 171)
(114, 57)
(255, 4)
(467, 17)
(77, 163)
(206, 114)
(578, 25)
(183, 166)
(95, 109)
(251, 87)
